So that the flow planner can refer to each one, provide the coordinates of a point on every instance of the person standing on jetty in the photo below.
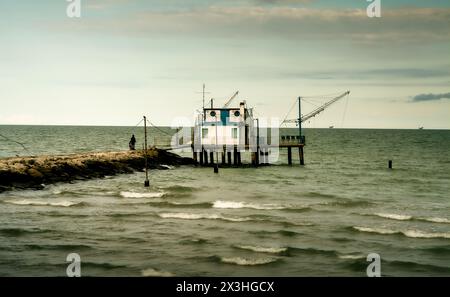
(132, 143)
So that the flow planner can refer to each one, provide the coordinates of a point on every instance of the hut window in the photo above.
(205, 132)
(234, 133)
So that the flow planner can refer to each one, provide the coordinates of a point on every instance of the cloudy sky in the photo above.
(126, 58)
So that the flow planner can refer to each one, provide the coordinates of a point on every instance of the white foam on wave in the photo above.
(238, 204)
(407, 233)
(141, 195)
(375, 230)
(247, 262)
(421, 234)
(260, 249)
(351, 257)
(154, 272)
(192, 216)
(391, 216)
(437, 220)
(63, 203)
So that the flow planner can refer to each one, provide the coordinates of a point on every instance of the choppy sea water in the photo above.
(322, 219)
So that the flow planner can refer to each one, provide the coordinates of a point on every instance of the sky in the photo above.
(123, 59)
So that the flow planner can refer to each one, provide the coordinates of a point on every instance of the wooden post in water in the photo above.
(235, 161)
(216, 164)
(257, 142)
(300, 141)
(300, 153)
(223, 155)
(390, 164)
(229, 158)
(205, 157)
(146, 182)
(289, 155)
(195, 157)
(211, 157)
(201, 156)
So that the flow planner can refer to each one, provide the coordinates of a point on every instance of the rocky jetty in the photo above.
(35, 172)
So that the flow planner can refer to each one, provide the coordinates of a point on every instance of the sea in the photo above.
(321, 219)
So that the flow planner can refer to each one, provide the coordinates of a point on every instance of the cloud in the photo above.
(430, 97)
(283, 2)
(411, 25)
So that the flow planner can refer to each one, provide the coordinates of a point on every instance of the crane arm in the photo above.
(317, 110)
(231, 99)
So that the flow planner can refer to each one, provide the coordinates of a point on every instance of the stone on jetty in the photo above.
(33, 172)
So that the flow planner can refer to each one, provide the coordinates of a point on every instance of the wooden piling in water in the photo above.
(201, 157)
(235, 161)
(205, 157)
(289, 155)
(390, 164)
(301, 156)
(229, 158)
(211, 157)
(224, 150)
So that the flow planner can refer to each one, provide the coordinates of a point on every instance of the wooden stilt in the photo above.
(300, 152)
(257, 156)
(289, 155)
(205, 157)
(235, 161)
(223, 155)
(211, 157)
(195, 157)
(239, 161)
(201, 156)
(229, 158)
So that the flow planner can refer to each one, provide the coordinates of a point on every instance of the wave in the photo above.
(351, 257)
(394, 216)
(248, 262)
(63, 247)
(421, 234)
(349, 203)
(375, 230)
(401, 217)
(417, 267)
(180, 204)
(154, 272)
(64, 203)
(320, 195)
(311, 250)
(260, 249)
(19, 231)
(407, 233)
(287, 233)
(142, 195)
(192, 216)
(269, 206)
(436, 220)
(194, 241)
(179, 189)
(237, 204)
(107, 266)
